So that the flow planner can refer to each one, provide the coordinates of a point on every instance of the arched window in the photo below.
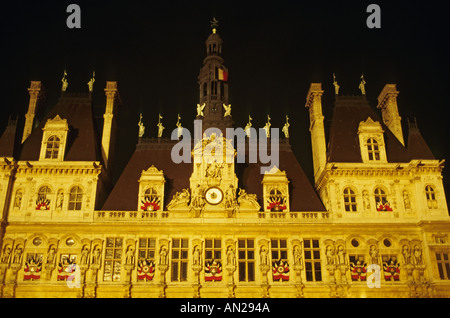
(431, 197)
(43, 201)
(151, 195)
(381, 200)
(53, 143)
(151, 200)
(350, 200)
(373, 149)
(276, 201)
(75, 199)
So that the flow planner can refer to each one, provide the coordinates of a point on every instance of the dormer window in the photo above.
(54, 139)
(373, 150)
(52, 150)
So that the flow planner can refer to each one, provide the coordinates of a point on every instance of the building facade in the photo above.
(375, 223)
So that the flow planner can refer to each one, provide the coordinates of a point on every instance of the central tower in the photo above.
(213, 84)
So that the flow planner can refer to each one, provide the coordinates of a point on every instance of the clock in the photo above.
(214, 195)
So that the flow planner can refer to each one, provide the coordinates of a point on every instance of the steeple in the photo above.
(213, 84)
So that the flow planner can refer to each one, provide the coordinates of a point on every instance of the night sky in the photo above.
(273, 49)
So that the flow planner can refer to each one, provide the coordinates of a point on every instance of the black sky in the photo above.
(273, 49)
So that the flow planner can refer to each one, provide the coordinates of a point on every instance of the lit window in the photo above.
(43, 202)
(113, 259)
(279, 259)
(312, 260)
(349, 200)
(75, 198)
(246, 253)
(373, 149)
(431, 197)
(381, 201)
(151, 201)
(179, 260)
(52, 149)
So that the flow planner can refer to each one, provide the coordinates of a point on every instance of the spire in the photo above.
(213, 84)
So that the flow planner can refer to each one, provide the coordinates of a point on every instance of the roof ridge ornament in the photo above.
(362, 86)
(64, 81)
(214, 25)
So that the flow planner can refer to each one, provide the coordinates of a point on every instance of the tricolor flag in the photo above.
(221, 74)
(146, 270)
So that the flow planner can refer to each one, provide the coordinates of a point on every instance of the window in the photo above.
(349, 200)
(75, 198)
(358, 267)
(213, 249)
(113, 259)
(279, 249)
(443, 263)
(279, 260)
(312, 260)
(146, 249)
(66, 266)
(373, 149)
(391, 268)
(51, 152)
(179, 260)
(246, 255)
(381, 201)
(33, 267)
(431, 197)
(43, 202)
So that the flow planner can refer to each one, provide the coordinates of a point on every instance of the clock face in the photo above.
(214, 195)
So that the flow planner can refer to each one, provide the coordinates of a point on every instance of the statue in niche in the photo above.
(160, 127)
(6, 254)
(263, 255)
(129, 256)
(141, 126)
(366, 200)
(340, 257)
(406, 200)
(267, 126)
(248, 126)
(18, 199)
(59, 200)
(373, 255)
(406, 255)
(298, 260)
(285, 129)
(163, 255)
(96, 256)
(227, 110)
(417, 256)
(84, 255)
(17, 255)
(330, 255)
(51, 255)
(198, 200)
(200, 109)
(231, 257)
(196, 256)
(230, 197)
(214, 173)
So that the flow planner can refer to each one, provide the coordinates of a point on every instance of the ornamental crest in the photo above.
(213, 271)
(280, 270)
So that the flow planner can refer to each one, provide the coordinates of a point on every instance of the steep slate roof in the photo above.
(82, 142)
(417, 146)
(124, 195)
(8, 139)
(343, 145)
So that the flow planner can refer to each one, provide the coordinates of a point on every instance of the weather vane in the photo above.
(214, 24)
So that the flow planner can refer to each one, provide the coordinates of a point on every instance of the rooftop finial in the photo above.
(214, 24)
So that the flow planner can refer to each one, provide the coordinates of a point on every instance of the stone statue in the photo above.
(267, 127)
(245, 197)
(366, 200)
(129, 256)
(6, 255)
(180, 128)
(263, 255)
(163, 255)
(417, 256)
(231, 258)
(59, 200)
(298, 260)
(141, 127)
(18, 199)
(160, 127)
(91, 82)
(198, 201)
(373, 255)
(230, 197)
(330, 255)
(51, 255)
(247, 127)
(286, 128)
(406, 200)
(64, 81)
(406, 255)
(362, 86)
(196, 256)
(84, 256)
(96, 256)
(340, 257)
(182, 197)
(200, 109)
(227, 110)
(17, 255)
(336, 85)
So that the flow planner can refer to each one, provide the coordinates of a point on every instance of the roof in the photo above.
(82, 141)
(8, 139)
(417, 147)
(125, 193)
(343, 144)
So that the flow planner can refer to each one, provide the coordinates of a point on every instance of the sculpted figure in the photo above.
(263, 255)
(163, 255)
(298, 260)
(6, 255)
(330, 255)
(231, 258)
(227, 110)
(129, 256)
